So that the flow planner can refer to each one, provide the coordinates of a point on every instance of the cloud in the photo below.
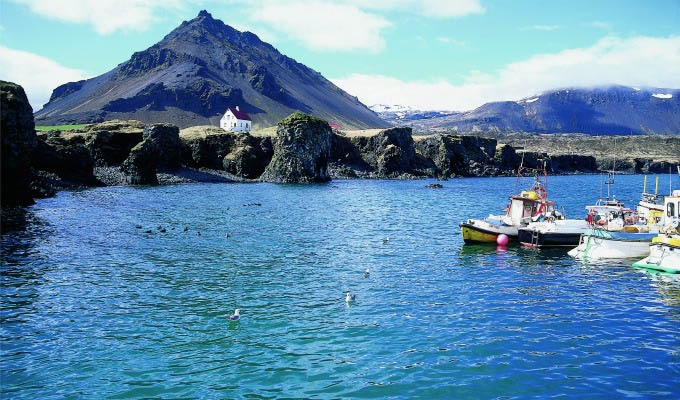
(325, 26)
(599, 24)
(637, 61)
(428, 8)
(540, 28)
(38, 75)
(105, 16)
(452, 41)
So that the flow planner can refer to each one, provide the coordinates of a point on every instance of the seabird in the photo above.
(367, 272)
(350, 297)
(235, 317)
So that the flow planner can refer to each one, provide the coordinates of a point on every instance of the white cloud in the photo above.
(540, 28)
(637, 61)
(38, 75)
(105, 16)
(428, 8)
(323, 25)
(452, 41)
(599, 24)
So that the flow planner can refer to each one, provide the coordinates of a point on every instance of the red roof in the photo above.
(240, 114)
(335, 126)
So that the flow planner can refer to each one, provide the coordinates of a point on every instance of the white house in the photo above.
(235, 120)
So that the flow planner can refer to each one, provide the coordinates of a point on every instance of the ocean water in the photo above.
(94, 307)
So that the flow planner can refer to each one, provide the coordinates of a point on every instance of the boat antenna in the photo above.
(519, 170)
(670, 180)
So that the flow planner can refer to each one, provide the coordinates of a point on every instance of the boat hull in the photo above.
(538, 239)
(479, 231)
(595, 247)
(664, 256)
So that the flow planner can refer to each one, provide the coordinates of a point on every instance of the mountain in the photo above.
(601, 110)
(400, 115)
(198, 70)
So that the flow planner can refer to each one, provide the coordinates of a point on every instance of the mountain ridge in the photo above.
(196, 71)
(613, 110)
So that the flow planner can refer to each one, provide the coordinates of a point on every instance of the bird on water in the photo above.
(350, 297)
(235, 317)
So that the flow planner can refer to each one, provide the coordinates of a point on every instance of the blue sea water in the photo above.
(93, 307)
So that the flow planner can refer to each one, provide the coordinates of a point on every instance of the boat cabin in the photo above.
(672, 210)
(528, 207)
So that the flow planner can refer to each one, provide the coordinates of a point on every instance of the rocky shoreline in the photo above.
(304, 150)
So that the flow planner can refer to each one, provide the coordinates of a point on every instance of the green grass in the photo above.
(58, 127)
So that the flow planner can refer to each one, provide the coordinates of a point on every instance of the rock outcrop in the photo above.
(301, 151)
(165, 137)
(18, 143)
(459, 155)
(140, 166)
(248, 158)
(67, 157)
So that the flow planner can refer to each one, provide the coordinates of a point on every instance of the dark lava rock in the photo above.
(110, 142)
(392, 151)
(301, 151)
(459, 155)
(206, 146)
(17, 129)
(140, 166)
(434, 186)
(567, 163)
(166, 139)
(649, 166)
(67, 157)
(246, 159)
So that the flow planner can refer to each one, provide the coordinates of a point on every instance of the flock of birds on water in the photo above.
(236, 316)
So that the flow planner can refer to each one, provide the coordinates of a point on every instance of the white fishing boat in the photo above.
(664, 251)
(650, 207)
(597, 243)
(664, 255)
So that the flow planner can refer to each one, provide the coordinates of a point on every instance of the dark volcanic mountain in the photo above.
(608, 110)
(197, 71)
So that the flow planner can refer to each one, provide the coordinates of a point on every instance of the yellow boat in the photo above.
(530, 205)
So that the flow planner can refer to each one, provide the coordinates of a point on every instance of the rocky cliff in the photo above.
(301, 151)
(17, 130)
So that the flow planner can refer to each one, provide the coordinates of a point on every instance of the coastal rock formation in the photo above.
(18, 142)
(572, 163)
(238, 153)
(140, 166)
(165, 137)
(110, 142)
(301, 151)
(247, 158)
(67, 157)
(459, 155)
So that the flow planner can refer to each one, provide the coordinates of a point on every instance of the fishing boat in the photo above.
(608, 213)
(598, 243)
(650, 207)
(524, 208)
(664, 251)
(664, 255)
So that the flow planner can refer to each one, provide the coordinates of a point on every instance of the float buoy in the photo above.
(502, 240)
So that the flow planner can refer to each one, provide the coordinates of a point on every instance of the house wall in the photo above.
(228, 122)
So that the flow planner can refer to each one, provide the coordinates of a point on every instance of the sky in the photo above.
(429, 54)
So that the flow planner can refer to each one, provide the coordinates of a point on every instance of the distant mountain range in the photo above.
(605, 110)
(197, 71)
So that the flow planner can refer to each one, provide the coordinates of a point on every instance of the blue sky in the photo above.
(431, 54)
